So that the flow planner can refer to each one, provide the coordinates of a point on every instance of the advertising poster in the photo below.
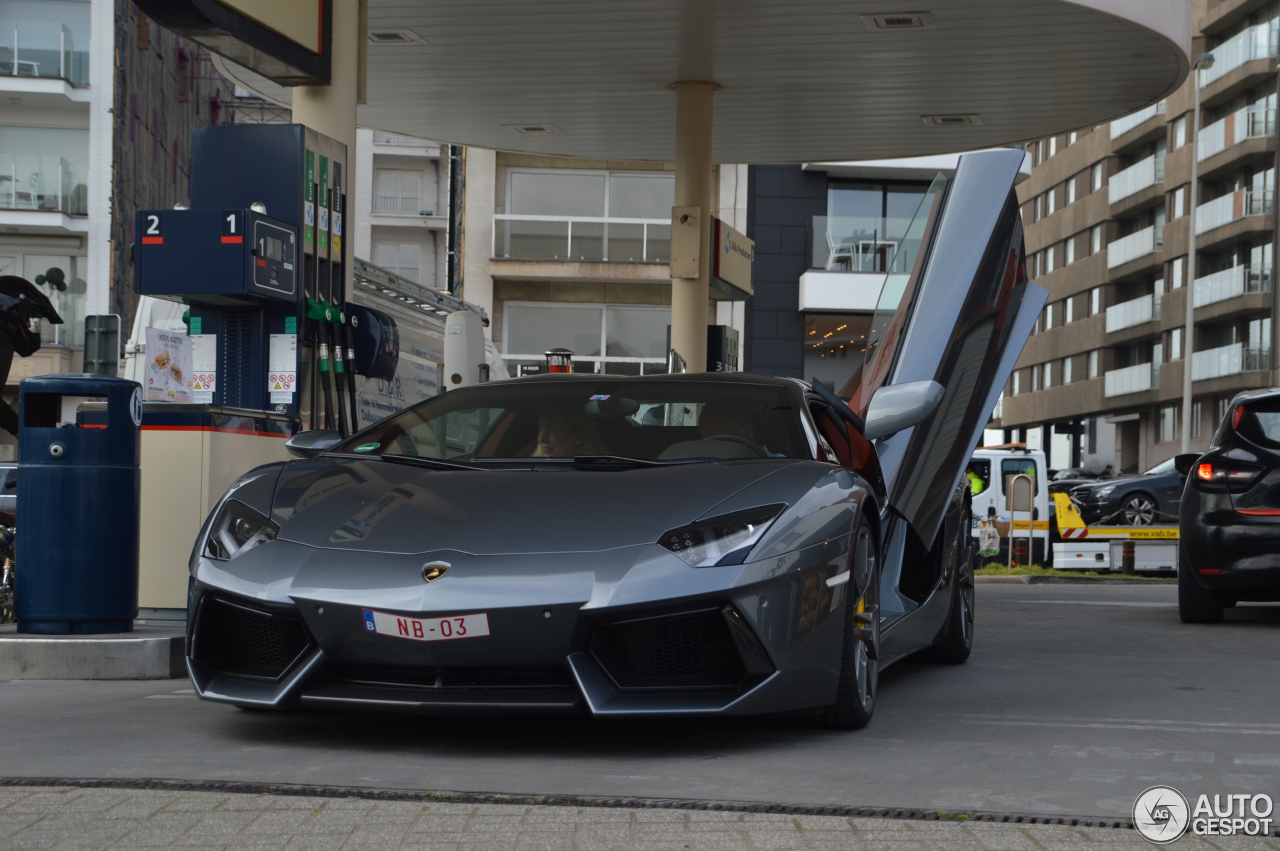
(169, 372)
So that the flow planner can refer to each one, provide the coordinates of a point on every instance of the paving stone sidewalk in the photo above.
(59, 817)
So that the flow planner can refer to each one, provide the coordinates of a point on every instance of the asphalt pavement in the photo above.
(1076, 699)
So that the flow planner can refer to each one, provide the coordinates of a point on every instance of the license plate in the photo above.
(426, 629)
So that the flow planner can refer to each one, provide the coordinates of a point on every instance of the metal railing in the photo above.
(1232, 206)
(583, 239)
(1123, 125)
(400, 205)
(1135, 178)
(1257, 42)
(1135, 245)
(33, 182)
(409, 273)
(1229, 283)
(381, 137)
(41, 49)
(1130, 379)
(1229, 360)
(1247, 123)
(1130, 313)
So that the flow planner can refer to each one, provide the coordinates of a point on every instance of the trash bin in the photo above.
(77, 552)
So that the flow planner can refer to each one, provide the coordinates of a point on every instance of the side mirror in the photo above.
(895, 407)
(1185, 462)
(309, 444)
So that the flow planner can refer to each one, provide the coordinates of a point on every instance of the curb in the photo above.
(1070, 580)
(147, 653)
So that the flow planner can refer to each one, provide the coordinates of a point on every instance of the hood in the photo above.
(388, 507)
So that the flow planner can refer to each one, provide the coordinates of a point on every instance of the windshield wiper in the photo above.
(416, 460)
(635, 462)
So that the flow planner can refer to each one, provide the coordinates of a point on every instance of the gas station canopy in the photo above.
(801, 80)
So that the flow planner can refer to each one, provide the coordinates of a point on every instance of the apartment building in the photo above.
(1109, 224)
(576, 253)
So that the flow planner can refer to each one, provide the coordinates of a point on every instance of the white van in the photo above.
(989, 472)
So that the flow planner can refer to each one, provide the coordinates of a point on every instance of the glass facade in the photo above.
(44, 168)
(45, 38)
(592, 216)
(621, 339)
(865, 222)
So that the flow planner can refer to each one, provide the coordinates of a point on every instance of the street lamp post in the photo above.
(1203, 63)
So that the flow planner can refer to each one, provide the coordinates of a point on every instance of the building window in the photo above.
(1093, 364)
(399, 192)
(1224, 402)
(1196, 416)
(1071, 140)
(1095, 239)
(1179, 202)
(1068, 307)
(576, 214)
(1175, 344)
(1071, 191)
(1035, 378)
(1048, 316)
(1180, 131)
(402, 258)
(1168, 424)
(1176, 270)
(1053, 145)
(865, 221)
(1048, 374)
(1092, 432)
(1048, 259)
(1039, 205)
(1095, 301)
(1017, 382)
(624, 339)
(1071, 251)
(1066, 370)
(1097, 176)
(1053, 200)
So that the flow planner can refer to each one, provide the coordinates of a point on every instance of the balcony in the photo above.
(1258, 42)
(1247, 123)
(1229, 283)
(1231, 207)
(1129, 248)
(1135, 178)
(382, 138)
(1131, 379)
(44, 184)
(42, 50)
(595, 239)
(1130, 313)
(1123, 125)
(844, 244)
(409, 273)
(401, 205)
(1229, 360)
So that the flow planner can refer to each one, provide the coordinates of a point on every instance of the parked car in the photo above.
(1140, 500)
(1230, 515)
(762, 546)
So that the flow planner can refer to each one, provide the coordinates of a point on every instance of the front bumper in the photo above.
(577, 638)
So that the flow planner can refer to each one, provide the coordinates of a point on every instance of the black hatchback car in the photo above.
(1230, 514)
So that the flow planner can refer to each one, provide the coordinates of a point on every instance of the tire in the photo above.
(860, 652)
(1139, 509)
(956, 643)
(1196, 604)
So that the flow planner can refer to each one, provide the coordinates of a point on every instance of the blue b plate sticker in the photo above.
(426, 629)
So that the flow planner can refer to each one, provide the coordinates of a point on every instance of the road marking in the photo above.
(1135, 604)
(1125, 724)
(1269, 760)
(182, 692)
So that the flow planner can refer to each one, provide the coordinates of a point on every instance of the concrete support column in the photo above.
(331, 109)
(694, 105)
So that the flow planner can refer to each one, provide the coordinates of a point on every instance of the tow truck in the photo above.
(1102, 548)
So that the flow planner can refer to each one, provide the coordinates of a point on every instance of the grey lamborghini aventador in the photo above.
(685, 544)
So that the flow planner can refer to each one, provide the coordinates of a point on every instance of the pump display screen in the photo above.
(273, 260)
(271, 248)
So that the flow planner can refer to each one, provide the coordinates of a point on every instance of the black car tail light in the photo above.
(1218, 476)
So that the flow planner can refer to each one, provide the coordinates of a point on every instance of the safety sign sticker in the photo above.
(282, 367)
(204, 365)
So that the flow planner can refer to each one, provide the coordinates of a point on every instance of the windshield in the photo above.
(1162, 467)
(652, 420)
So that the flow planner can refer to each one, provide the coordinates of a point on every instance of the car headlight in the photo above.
(238, 529)
(720, 540)
(1104, 492)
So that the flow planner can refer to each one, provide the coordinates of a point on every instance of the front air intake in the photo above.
(688, 650)
(242, 641)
